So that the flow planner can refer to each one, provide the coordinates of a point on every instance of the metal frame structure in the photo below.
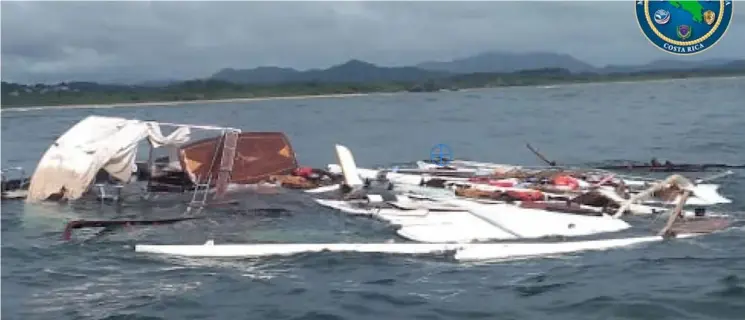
(203, 188)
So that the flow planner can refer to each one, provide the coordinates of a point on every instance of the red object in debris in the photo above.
(567, 181)
(526, 195)
(303, 172)
(506, 183)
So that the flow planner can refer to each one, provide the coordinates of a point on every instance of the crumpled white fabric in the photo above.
(179, 136)
(71, 163)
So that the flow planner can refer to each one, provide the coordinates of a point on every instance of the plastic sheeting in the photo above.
(69, 166)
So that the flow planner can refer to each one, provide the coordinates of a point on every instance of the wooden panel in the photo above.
(257, 156)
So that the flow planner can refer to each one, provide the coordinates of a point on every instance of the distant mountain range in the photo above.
(356, 71)
(508, 62)
(349, 72)
(355, 76)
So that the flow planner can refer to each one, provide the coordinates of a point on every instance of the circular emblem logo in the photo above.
(684, 27)
(661, 16)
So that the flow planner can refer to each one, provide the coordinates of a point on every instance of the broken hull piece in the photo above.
(481, 222)
(535, 223)
(479, 252)
(462, 252)
(421, 225)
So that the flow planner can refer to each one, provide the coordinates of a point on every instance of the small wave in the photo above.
(397, 301)
(734, 287)
(318, 315)
(534, 290)
(464, 314)
(130, 316)
(359, 308)
(719, 146)
(382, 282)
(589, 303)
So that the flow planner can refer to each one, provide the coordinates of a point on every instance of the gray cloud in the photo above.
(135, 40)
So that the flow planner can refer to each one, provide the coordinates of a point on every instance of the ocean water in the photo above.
(701, 120)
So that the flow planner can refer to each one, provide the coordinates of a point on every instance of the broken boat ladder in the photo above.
(201, 190)
(229, 145)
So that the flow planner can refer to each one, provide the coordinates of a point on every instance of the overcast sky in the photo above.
(110, 41)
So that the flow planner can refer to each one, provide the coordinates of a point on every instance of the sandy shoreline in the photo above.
(317, 96)
(178, 103)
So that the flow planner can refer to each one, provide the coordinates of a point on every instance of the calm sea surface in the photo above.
(699, 120)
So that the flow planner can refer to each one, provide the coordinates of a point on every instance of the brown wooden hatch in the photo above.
(257, 156)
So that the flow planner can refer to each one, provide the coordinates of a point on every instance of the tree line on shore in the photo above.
(72, 93)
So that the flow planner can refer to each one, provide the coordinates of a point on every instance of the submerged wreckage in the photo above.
(98, 155)
(447, 220)
(477, 210)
